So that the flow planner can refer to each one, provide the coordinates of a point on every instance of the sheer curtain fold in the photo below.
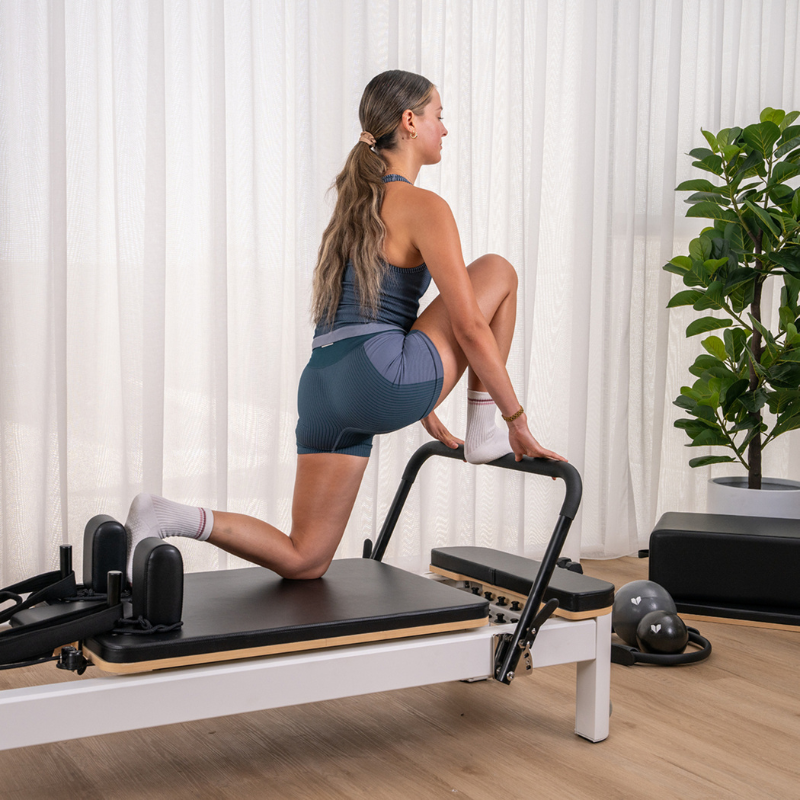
(164, 183)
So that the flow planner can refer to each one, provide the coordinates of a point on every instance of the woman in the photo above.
(376, 366)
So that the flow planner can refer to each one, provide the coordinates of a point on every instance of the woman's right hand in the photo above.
(523, 444)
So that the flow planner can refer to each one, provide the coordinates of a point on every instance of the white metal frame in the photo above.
(113, 703)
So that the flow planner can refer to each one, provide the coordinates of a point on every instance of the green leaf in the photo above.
(735, 341)
(775, 115)
(781, 195)
(706, 324)
(687, 298)
(784, 375)
(711, 139)
(709, 438)
(787, 222)
(668, 267)
(710, 163)
(782, 400)
(734, 237)
(696, 185)
(789, 119)
(796, 203)
(700, 273)
(714, 345)
(762, 137)
(712, 298)
(713, 264)
(783, 172)
(787, 423)
(761, 214)
(787, 147)
(711, 211)
(682, 261)
(730, 152)
(700, 248)
(754, 401)
(705, 364)
(711, 197)
(787, 317)
(737, 277)
(788, 258)
(734, 392)
(748, 167)
(705, 461)
(700, 153)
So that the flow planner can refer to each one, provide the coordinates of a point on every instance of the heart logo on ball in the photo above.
(655, 628)
(636, 600)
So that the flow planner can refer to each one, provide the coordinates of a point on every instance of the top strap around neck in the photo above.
(393, 177)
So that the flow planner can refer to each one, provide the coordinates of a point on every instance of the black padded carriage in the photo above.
(578, 595)
(252, 611)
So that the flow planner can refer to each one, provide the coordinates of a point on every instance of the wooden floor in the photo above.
(728, 727)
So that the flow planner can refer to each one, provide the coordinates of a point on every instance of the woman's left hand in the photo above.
(435, 428)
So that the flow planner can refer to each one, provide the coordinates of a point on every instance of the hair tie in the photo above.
(367, 138)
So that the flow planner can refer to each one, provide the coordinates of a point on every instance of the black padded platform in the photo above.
(575, 593)
(728, 566)
(252, 608)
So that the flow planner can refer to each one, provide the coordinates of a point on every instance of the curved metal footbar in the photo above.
(512, 646)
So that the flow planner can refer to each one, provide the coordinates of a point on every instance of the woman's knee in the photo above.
(501, 269)
(306, 570)
(309, 560)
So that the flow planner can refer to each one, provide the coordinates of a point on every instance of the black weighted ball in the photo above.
(632, 602)
(661, 632)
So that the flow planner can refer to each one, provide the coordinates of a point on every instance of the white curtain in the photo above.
(163, 178)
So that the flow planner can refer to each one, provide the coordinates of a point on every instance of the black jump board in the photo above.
(729, 566)
(575, 592)
(241, 609)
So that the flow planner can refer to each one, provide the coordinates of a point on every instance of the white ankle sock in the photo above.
(484, 441)
(151, 515)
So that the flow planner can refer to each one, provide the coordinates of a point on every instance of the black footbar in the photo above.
(511, 646)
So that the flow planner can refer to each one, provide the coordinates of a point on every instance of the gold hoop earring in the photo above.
(413, 136)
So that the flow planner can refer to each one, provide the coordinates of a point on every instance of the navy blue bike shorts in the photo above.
(357, 387)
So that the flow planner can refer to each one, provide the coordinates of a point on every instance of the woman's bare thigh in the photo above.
(492, 277)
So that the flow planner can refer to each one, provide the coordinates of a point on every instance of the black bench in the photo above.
(729, 568)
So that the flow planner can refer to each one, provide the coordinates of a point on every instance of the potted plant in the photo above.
(747, 368)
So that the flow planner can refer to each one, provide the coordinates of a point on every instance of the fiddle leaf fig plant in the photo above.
(755, 234)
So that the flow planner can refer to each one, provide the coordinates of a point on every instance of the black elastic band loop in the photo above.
(635, 656)
(145, 627)
(42, 588)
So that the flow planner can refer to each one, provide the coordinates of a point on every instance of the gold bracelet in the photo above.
(514, 416)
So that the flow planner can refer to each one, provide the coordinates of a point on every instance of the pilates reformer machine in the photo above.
(186, 647)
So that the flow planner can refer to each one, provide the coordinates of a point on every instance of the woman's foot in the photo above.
(151, 515)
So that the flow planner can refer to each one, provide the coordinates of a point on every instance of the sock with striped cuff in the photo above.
(484, 440)
(151, 515)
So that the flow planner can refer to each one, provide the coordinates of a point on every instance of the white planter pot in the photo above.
(775, 498)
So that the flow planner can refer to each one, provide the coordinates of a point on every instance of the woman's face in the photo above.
(430, 130)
